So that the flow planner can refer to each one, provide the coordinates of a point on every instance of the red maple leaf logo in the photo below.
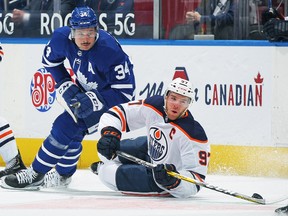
(258, 79)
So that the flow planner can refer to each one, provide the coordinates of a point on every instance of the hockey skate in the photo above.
(53, 179)
(13, 166)
(26, 179)
(94, 167)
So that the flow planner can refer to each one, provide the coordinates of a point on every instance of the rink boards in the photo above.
(240, 97)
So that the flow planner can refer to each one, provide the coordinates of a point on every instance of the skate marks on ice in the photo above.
(87, 195)
(72, 201)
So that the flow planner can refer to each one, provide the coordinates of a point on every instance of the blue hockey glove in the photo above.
(162, 178)
(66, 90)
(109, 142)
(92, 121)
(85, 103)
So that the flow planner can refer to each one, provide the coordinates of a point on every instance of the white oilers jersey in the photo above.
(182, 142)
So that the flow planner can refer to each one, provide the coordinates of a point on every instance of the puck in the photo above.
(257, 196)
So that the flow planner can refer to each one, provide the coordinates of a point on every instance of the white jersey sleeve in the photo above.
(125, 117)
(8, 146)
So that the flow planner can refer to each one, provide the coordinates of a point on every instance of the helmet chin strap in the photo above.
(183, 113)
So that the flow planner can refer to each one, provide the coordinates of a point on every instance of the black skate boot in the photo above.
(13, 166)
(26, 179)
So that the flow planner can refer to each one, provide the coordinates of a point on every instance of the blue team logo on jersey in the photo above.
(42, 90)
(158, 146)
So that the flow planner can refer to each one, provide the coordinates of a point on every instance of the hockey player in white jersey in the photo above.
(9, 150)
(8, 147)
(175, 142)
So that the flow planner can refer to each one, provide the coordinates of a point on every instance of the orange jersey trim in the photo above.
(175, 125)
(152, 107)
(197, 176)
(6, 133)
(191, 138)
(122, 117)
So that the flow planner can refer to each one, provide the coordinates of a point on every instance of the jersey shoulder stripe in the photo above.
(156, 103)
(119, 112)
(193, 128)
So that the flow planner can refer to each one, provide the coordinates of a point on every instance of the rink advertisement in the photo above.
(237, 90)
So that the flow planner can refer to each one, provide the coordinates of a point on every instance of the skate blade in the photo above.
(28, 188)
(21, 189)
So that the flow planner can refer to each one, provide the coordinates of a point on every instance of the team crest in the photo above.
(157, 144)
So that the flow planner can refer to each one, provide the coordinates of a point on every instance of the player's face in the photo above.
(85, 38)
(176, 104)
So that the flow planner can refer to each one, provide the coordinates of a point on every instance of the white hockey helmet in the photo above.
(182, 87)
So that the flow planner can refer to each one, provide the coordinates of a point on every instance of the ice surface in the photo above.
(86, 195)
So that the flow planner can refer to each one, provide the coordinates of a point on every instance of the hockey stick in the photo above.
(256, 198)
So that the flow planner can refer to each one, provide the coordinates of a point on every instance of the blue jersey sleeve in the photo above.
(54, 54)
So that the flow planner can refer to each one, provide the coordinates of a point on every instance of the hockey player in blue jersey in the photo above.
(105, 78)
(174, 142)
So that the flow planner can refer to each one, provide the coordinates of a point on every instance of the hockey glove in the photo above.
(109, 142)
(162, 178)
(85, 103)
(66, 90)
(276, 30)
(92, 121)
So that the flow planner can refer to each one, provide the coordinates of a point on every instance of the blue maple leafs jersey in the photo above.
(105, 67)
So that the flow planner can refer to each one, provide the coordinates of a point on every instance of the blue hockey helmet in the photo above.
(83, 17)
